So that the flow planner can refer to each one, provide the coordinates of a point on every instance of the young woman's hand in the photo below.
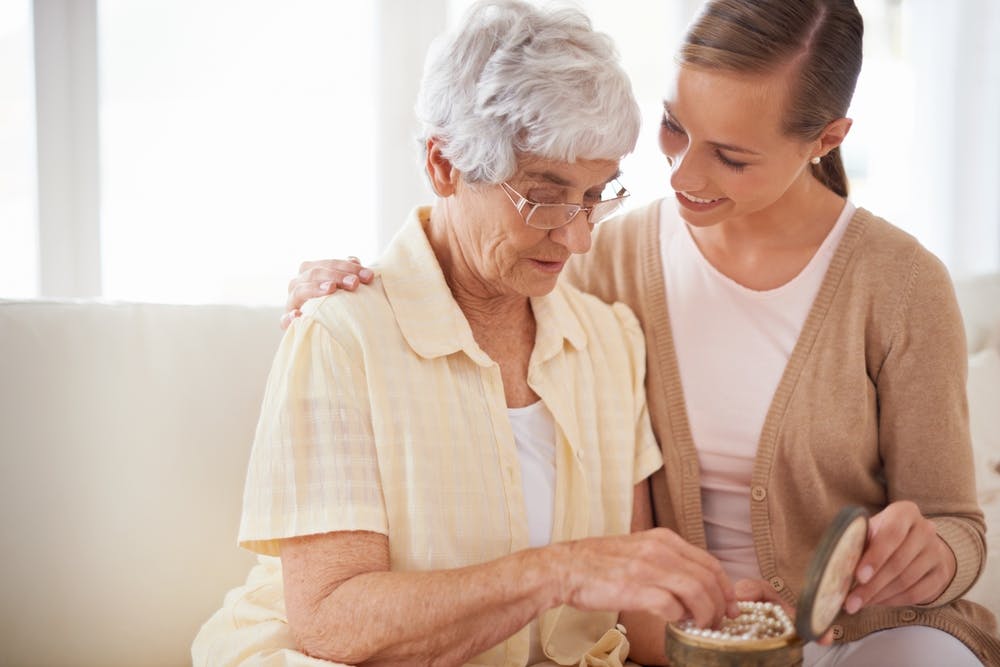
(322, 277)
(905, 562)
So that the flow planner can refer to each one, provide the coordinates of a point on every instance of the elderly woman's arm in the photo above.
(344, 604)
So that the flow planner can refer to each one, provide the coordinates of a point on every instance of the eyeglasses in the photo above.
(553, 216)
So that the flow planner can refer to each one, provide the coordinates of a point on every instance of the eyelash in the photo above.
(673, 128)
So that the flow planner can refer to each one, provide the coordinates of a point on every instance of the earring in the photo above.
(814, 159)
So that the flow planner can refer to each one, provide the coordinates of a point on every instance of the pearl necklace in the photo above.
(757, 620)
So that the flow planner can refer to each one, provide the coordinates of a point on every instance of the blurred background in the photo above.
(195, 151)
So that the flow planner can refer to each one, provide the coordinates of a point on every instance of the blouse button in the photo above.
(758, 493)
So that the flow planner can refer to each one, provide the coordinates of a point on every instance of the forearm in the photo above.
(442, 617)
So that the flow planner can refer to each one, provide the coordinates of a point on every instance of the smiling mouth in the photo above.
(697, 200)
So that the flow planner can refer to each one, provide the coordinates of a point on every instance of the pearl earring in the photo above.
(815, 159)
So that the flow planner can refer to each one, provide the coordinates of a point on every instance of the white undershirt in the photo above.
(535, 439)
(732, 344)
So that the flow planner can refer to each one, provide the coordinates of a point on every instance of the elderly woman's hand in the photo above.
(322, 277)
(653, 570)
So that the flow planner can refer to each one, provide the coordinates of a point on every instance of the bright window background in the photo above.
(18, 183)
(236, 138)
(240, 137)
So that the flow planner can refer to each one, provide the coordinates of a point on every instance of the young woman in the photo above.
(802, 353)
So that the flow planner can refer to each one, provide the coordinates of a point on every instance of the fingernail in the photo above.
(865, 574)
(350, 281)
(365, 274)
(325, 287)
(853, 604)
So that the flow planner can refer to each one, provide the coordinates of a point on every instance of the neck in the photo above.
(484, 306)
(804, 215)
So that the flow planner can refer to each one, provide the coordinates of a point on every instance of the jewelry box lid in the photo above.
(830, 576)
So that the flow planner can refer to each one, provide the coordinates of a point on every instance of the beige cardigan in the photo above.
(870, 409)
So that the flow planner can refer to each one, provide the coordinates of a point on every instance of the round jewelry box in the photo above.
(763, 635)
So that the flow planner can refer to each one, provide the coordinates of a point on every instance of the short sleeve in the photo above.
(648, 457)
(314, 465)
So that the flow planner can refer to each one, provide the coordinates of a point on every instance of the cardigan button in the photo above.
(777, 583)
(838, 631)
(908, 616)
(758, 493)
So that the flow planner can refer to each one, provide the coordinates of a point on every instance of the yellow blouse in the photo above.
(381, 413)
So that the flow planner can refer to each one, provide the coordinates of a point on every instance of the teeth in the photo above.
(698, 200)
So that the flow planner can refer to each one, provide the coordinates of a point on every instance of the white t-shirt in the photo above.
(732, 344)
(535, 438)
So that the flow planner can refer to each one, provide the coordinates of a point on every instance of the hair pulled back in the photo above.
(819, 40)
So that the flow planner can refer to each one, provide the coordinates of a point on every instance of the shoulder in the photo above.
(888, 261)
(606, 325)
(886, 245)
(349, 317)
(904, 288)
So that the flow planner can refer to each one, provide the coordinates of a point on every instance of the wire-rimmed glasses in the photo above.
(553, 216)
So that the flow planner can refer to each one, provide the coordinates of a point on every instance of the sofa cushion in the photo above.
(984, 416)
(126, 429)
(979, 299)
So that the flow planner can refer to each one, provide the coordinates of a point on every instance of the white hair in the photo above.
(517, 79)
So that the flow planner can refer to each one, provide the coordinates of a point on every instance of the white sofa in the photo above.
(125, 431)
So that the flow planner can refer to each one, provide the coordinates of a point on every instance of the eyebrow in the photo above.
(556, 179)
(717, 144)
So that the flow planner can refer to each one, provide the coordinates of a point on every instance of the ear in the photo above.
(441, 173)
(833, 135)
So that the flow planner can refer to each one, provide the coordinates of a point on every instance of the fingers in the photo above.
(758, 590)
(706, 569)
(905, 561)
(287, 317)
(693, 577)
(653, 571)
(325, 277)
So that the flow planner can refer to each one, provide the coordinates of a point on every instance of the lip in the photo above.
(548, 266)
(697, 206)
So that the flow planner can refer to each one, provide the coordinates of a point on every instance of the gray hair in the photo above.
(517, 79)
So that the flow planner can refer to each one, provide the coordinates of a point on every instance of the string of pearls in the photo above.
(757, 620)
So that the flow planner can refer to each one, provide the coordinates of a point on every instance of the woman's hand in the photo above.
(322, 277)
(653, 570)
(905, 563)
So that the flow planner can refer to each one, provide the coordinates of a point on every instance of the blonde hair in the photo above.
(819, 39)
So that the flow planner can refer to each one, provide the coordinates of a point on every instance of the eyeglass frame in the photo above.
(523, 201)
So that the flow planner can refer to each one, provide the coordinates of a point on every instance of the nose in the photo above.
(685, 172)
(575, 234)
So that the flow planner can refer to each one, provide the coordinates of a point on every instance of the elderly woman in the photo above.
(452, 466)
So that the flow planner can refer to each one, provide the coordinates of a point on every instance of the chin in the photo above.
(699, 220)
(538, 287)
